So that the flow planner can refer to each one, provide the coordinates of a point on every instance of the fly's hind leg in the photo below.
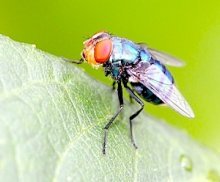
(132, 95)
(121, 102)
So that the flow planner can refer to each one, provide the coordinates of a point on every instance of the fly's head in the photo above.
(97, 50)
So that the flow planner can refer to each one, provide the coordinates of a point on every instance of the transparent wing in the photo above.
(156, 81)
(165, 58)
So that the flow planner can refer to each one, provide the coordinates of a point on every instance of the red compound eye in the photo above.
(102, 51)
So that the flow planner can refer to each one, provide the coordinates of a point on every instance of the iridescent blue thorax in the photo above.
(125, 52)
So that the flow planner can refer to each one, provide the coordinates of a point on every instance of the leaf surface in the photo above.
(52, 115)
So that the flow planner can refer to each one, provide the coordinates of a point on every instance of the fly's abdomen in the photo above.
(146, 94)
(164, 70)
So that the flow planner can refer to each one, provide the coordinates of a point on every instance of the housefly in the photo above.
(139, 69)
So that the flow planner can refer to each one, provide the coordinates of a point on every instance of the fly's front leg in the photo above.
(132, 94)
(74, 61)
(121, 102)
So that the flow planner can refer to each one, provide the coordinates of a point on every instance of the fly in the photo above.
(139, 69)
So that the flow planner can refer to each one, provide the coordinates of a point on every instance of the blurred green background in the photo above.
(187, 29)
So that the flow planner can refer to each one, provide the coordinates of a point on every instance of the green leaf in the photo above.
(52, 115)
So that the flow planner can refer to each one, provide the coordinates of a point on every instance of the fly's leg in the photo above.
(113, 88)
(74, 61)
(113, 85)
(121, 102)
(132, 94)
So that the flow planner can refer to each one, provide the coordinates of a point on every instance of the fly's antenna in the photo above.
(74, 61)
